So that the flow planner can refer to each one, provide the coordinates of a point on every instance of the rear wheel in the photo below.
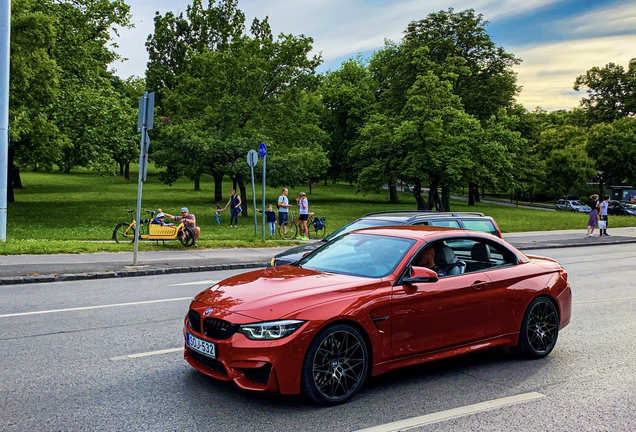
(288, 230)
(539, 329)
(335, 366)
(123, 234)
(186, 237)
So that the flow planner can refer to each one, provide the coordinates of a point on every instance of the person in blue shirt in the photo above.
(159, 220)
(271, 219)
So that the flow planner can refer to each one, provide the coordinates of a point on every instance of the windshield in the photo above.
(365, 255)
(359, 224)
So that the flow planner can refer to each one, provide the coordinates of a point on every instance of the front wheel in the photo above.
(186, 237)
(288, 230)
(539, 329)
(124, 233)
(335, 366)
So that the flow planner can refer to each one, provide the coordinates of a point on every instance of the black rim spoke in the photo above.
(339, 364)
(542, 326)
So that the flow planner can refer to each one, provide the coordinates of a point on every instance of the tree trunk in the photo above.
(471, 193)
(393, 196)
(433, 195)
(197, 183)
(234, 182)
(218, 188)
(121, 169)
(601, 187)
(417, 192)
(241, 184)
(10, 173)
(127, 171)
(445, 198)
(483, 192)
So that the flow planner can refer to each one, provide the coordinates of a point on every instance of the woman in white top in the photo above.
(303, 206)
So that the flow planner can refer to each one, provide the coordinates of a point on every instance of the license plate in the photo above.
(201, 346)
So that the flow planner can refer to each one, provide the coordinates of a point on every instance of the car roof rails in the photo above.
(424, 212)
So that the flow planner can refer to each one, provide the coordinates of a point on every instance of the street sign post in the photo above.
(252, 160)
(144, 124)
(262, 152)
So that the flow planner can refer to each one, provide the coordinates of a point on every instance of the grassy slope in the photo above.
(68, 212)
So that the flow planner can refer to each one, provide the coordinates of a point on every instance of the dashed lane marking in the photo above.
(94, 307)
(205, 282)
(147, 354)
(440, 416)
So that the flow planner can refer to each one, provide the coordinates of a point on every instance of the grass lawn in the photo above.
(77, 212)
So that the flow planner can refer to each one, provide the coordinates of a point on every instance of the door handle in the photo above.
(477, 285)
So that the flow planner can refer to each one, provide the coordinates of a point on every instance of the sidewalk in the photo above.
(21, 269)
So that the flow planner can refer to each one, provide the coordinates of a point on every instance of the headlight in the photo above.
(270, 330)
(273, 262)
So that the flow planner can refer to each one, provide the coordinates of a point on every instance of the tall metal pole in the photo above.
(5, 47)
(142, 159)
(263, 218)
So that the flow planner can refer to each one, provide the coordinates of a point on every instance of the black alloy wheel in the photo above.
(335, 366)
(120, 230)
(539, 329)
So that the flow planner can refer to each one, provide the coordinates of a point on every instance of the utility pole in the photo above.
(5, 47)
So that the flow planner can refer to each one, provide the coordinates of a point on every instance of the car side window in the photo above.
(480, 225)
(445, 223)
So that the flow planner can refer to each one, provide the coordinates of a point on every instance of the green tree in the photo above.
(611, 92)
(349, 99)
(613, 146)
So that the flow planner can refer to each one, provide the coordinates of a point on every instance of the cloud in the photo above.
(548, 71)
(614, 19)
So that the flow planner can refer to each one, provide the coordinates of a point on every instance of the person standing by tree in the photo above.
(604, 205)
(283, 208)
(235, 207)
(303, 210)
(593, 221)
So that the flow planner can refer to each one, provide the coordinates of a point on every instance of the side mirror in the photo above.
(421, 275)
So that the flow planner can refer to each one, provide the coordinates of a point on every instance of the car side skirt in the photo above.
(500, 341)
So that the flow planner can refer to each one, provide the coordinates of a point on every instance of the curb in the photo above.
(20, 280)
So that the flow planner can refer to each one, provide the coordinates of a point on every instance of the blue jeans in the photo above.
(218, 218)
(234, 216)
(272, 228)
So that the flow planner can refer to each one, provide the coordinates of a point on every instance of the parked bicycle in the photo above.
(289, 229)
(125, 231)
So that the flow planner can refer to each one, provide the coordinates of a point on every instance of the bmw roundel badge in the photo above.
(208, 311)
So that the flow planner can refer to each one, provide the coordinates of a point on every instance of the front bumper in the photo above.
(263, 366)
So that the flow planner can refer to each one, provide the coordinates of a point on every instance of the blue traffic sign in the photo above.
(262, 150)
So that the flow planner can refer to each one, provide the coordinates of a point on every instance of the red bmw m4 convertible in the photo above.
(372, 301)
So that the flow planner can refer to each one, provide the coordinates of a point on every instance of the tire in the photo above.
(186, 237)
(288, 230)
(118, 233)
(335, 366)
(539, 329)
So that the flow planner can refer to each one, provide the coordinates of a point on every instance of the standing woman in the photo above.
(235, 207)
(604, 205)
(593, 221)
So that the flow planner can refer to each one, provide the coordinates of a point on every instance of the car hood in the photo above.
(294, 254)
(273, 293)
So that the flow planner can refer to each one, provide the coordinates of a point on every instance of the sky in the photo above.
(557, 40)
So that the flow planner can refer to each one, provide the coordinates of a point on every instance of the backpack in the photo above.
(319, 223)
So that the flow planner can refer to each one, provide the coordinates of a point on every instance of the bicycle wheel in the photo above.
(288, 230)
(123, 233)
(186, 237)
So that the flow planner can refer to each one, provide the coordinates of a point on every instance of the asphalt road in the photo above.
(69, 370)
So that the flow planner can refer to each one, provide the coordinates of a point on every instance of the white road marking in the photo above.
(205, 282)
(605, 300)
(94, 307)
(147, 354)
(453, 413)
